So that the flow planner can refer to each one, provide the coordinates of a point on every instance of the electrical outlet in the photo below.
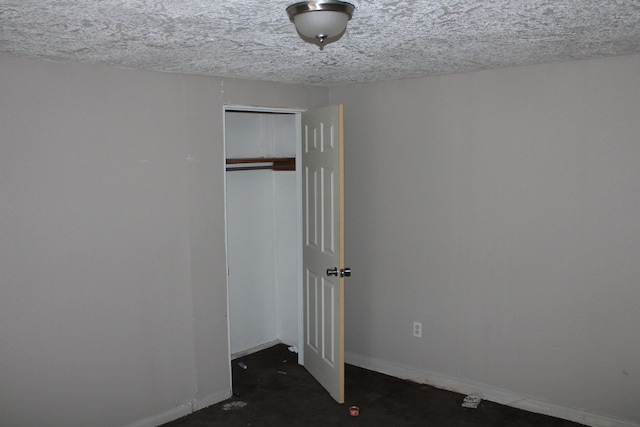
(417, 329)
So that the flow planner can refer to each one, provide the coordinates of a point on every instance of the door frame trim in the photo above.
(298, 129)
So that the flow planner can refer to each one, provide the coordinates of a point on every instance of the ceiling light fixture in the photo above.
(321, 21)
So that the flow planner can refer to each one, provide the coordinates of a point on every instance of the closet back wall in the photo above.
(261, 233)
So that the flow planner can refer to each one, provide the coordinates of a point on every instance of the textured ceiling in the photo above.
(254, 39)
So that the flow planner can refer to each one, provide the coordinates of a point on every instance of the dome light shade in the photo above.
(322, 21)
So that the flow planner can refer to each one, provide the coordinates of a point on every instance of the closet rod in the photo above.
(277, 163)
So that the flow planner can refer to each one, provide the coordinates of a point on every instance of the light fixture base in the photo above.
(320, 5)
(325, 26)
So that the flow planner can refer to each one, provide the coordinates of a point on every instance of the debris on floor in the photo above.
(471, 401)
(234, 405)
(354, 411)
(293, 349)
(282, 372)
(242, 365)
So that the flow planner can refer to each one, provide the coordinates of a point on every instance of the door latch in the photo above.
(343, 272)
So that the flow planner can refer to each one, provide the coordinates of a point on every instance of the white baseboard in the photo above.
(486, 392)
(255, 349)
(164, 417)
(211, 399)
(182, 410)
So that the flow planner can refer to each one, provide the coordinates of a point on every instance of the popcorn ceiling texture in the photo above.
(254, 39)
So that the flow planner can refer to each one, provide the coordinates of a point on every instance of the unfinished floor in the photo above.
(274, 390)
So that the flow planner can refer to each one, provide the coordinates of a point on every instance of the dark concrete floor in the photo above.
(275, 391)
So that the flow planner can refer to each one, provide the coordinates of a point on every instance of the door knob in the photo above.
(344, 272)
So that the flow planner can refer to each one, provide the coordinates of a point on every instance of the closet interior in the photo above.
(262, 229)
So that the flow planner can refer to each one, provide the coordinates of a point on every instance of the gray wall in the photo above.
(501, 209)
(113, 297)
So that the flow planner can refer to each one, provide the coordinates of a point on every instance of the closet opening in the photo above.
(263, 228)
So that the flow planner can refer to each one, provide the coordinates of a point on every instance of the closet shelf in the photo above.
(258, 163)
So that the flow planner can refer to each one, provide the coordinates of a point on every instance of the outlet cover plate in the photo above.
(417, 329)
